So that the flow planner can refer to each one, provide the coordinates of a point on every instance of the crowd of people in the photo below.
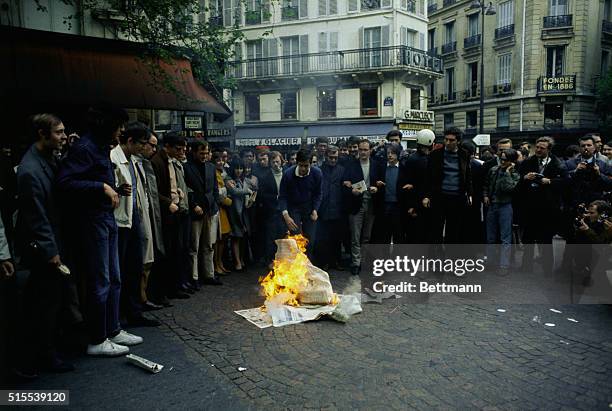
(115, 223)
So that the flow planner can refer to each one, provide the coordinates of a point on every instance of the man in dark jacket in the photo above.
(39, 243)
(329, 233)
(389, 217)
(87, 183)
(203, 198)
(449, 189)
(542, 178)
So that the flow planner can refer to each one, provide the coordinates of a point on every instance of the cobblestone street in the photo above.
(389, 357)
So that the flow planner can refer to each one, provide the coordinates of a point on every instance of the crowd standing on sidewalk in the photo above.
(120, 221)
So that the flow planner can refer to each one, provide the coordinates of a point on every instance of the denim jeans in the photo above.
(499, 229)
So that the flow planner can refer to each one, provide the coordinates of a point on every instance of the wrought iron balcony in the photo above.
(252, 17)
(472, 41)
(606, 27)
(433, 51)
(290, 13)
(432, 8)
(553, 22)
(446, 3)
(564, 84)
(471, 93)
(505, 31)
(448, 98)
(449, 47)
(347, 61)
(502, 88)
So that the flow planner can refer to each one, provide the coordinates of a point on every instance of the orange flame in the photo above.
(288, 275)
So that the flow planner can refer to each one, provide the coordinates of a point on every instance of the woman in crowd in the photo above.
(239, 193)
(225, 203)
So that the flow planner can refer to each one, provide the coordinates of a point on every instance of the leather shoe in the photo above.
(141, 321)
(211, 281)
(194, 284)
(187, 289)
(151, 306)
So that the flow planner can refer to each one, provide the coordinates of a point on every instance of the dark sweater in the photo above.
(297, 191)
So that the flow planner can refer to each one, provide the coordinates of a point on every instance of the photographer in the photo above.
(595, 227)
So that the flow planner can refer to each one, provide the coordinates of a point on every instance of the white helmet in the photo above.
(425, 137)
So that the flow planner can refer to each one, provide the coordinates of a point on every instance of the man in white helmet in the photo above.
(414, 188)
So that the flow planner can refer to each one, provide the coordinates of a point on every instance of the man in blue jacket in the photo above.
(39, 243)
(299, 197)
(87, 183)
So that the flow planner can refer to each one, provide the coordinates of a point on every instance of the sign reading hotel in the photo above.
(419, 115)
(559, 84)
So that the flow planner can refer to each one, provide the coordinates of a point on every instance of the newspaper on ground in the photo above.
(281, 315)
(143, 363)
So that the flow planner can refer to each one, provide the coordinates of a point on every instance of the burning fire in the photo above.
(288, 274)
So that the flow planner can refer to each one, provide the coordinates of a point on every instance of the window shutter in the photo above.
(333, 7)
(322, 42)
(304, 44)
(303, 9)
(361, 39)
(227, 12)
(353, 6)
(272, 47)
(333, 41)
(322, 7)
(404, 5)
(403, 36)
(422, 41)
(385, 35)
(238, 51)
(386, 3)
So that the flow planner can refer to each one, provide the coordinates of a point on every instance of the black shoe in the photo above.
(355, 270)
(141, 321)
(194, 284)
(180, 295)
(151, 306)
(211, 281)
(187, 289)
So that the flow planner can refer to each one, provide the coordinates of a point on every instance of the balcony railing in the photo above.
(252, 17)
(502, 88)
(505, 31)
(433, 51)
(446, 3)
(553, 22)
(337, 61)
(432, 8)
(448, 98)
(471, 93)
(565, 84)
(606, 27)
(449, 47)
(471, 41)
(290, 13)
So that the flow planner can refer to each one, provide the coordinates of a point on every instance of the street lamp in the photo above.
(489, 11)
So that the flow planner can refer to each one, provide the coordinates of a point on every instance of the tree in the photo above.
(604, 102)
(169, 29)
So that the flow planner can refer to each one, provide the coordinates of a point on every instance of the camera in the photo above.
(581, 212)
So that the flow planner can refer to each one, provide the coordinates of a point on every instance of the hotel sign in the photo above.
(558, 84)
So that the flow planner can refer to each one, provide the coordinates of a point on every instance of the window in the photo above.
(558, 7)
(328, 41)
(554, 61)
(328, 7)
(327, 103)
(449, 32)
(289, 105)
(254, 50)
(431, 39)
(505, 14)
(415, 98)
(257, 11)
(231, 12)
(449, 120)
(292, 48)
(605, 57)
(372, 40)
(503, 117)
(473, 24)
(471, 119)
(369, 101)
(294, 9)
(553, 115)
(472, 80)
(251, 103)
(504, 69)
(450, 83)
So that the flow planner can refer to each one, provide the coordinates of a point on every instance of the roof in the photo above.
(41, 66)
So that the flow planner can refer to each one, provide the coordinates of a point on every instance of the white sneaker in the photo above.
(107, 349)
(125, 338)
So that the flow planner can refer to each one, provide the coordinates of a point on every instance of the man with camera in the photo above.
(593, 226)
(542, 176)
(589, 175)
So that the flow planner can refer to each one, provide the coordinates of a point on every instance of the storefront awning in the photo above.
(281, 135)
(39, 66)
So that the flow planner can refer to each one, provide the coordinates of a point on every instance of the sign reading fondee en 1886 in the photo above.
(419, 115)
(561, 83)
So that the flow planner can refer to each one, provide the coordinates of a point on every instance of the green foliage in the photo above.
(170, 29)
(604, 102)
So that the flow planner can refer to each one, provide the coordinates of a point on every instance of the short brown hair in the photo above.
(44, 122)
(273, 154)
(548, 140)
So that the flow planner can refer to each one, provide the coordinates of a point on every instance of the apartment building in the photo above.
(310, 68)
(542, 60)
